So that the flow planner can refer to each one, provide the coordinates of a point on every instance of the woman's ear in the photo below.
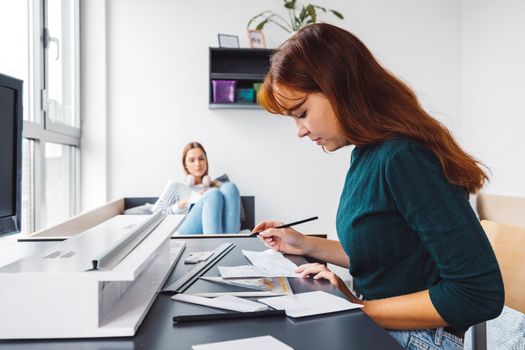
(190, 180)
(206, 181)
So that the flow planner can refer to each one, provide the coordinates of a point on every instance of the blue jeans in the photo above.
(427, 339)
(218, 211)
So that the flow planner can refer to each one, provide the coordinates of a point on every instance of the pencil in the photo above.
(288, 225)
(228, 316)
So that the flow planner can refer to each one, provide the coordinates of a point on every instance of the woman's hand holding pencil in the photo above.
(280, 237)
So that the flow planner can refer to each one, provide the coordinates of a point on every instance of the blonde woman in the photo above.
(211, 206)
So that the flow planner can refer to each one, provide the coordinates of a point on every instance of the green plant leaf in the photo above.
(296, 24)
(334, 12)
(271, 18)
(290, 4)
(303, 14)
(320, 8)
(337, 14)
(307, 15)
(280, 25)
(311, 12)
(264, 13)
(260, 26)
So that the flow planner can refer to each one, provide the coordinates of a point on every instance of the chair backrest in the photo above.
(503, 209)
(508, 243)
(248, 208)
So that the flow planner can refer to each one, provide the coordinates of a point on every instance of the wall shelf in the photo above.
(246, 66)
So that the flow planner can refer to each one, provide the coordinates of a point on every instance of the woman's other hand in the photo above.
(320, 271)
(183, 203)
(285, 240)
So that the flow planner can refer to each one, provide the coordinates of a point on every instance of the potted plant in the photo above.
(297, 17)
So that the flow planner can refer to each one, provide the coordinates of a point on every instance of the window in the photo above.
(28, 186)
(60, 183)
(48, 63)
(60, 59)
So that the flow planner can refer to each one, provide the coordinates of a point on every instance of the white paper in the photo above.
(256, 343)
(309, 304)
(227, 302)
(272, 261)
(250, 271)
(252, 294)
(249, 303)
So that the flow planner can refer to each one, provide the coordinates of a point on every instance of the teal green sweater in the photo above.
(406, 228)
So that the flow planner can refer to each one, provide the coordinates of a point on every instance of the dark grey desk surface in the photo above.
(344, 330)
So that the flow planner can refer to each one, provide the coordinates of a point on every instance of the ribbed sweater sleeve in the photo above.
(168, 200)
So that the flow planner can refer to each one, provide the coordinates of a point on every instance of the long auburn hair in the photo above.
(370, 103)
(187, 148)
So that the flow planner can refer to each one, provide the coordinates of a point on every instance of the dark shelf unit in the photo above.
(246, 66)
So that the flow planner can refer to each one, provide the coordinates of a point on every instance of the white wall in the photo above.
(14, 55)
(93, 88)
(157, 92)
(493, 104)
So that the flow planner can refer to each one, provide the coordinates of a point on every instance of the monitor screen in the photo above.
(10, 153)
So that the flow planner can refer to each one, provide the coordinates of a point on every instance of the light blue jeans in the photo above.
(427, 339)
(218, 211)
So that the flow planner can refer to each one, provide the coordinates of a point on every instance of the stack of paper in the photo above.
(260, 286)
(250, 271)
(272, 260)
(269, 263)
(227, 302)
(309, 304)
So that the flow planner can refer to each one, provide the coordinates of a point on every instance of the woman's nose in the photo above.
(301, 130)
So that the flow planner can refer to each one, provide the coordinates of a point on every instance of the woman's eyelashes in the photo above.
(302, 115)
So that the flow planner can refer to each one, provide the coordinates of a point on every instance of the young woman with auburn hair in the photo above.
(422, 265)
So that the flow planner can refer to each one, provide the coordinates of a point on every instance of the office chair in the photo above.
(503, 219)
(503, 209)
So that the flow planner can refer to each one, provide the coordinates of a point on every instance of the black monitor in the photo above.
(10, 154)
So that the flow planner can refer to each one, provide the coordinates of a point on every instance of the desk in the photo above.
(344, 330)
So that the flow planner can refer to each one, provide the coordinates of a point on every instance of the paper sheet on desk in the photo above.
(256, 343)
(250, 271)
(272, 262)
(309, 304)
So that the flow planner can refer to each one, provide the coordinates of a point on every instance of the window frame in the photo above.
(39, 127)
